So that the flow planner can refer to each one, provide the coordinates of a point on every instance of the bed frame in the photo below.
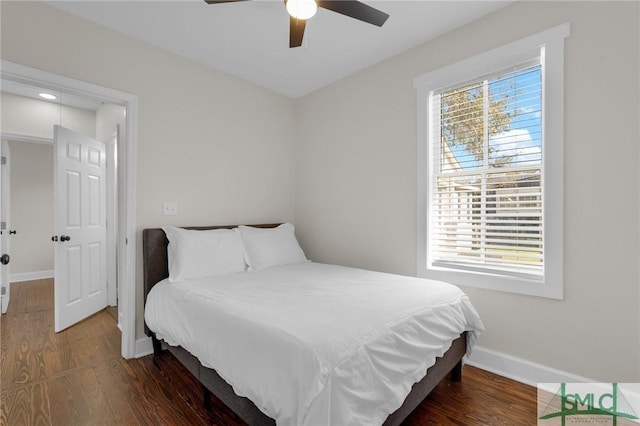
(156, 269)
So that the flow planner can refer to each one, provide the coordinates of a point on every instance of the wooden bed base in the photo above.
(156, 269)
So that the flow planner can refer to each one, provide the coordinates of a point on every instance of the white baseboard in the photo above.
(521, 370)
(144, 347)
(30, 276)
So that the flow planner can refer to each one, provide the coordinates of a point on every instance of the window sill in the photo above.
(551, 289)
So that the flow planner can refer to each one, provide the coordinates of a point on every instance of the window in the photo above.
(486, 202)
(490, 168)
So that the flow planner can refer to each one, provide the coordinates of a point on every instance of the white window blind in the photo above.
(486, 200)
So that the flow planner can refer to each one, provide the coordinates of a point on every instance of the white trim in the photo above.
(144, 347)
(5, 214)
(521, 370)
(30, 276)
(549, 46)
(127, 205)
(111, 142)
(16, 137)
(127, 242)
(500, 58)
(120, 321)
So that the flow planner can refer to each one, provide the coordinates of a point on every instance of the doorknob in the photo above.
(64, 238)
(4, 259)
(12, 232)
(54, 238)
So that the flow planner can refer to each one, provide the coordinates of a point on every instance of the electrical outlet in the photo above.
(169, 209)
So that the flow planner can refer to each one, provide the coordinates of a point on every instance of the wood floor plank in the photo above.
(182, 389)
(18, 301)
(100, 410)
(190, 390)
(117, 376)
(482, 398)
(77, 377)
(66, 407)
(77, 398)
(26, 406)
(118, 397)
(160, 396)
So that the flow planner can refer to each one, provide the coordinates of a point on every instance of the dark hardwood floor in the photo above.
(77, 377)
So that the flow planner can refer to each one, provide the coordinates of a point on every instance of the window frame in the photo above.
(548, 45)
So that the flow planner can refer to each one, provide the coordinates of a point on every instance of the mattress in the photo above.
(315, 344)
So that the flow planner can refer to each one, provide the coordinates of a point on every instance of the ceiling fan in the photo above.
(301, 10)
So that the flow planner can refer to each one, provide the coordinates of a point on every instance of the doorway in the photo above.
(125, 236)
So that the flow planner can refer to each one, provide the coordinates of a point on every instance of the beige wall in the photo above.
(221, 148)
(31, 207)
(356, 183)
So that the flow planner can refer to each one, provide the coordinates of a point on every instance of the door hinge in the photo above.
(3, 160)
(3, 225)
(3, 291)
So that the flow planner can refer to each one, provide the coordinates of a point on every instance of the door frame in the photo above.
(126, 241)
(5, 216)
(111, 145)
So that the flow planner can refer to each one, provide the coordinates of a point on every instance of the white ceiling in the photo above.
(251, 39)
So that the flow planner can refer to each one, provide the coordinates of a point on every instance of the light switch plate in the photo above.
(169, 209)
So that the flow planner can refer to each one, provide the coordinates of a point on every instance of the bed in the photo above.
(239, 305)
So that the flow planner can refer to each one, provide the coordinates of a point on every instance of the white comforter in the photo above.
(315, 344)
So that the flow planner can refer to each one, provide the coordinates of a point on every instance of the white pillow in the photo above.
(202, 254)
(269, 247)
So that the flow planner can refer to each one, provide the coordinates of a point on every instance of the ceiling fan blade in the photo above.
(296, 31)
(222, 1)
(356, 10)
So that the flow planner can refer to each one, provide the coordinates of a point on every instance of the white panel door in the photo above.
(5, 197)
(80, 257)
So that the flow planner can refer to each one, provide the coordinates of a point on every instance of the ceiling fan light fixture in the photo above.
(302, 9)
